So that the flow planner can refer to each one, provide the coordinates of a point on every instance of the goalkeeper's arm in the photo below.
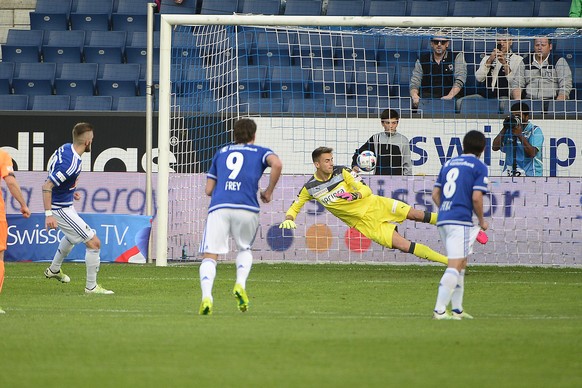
(289, 223)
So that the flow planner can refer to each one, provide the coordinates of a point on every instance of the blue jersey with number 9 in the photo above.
(237, 169)
(458, 178)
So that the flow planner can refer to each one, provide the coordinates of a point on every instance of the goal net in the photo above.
(308, 85)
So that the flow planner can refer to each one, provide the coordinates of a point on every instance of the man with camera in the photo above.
(497, 70)
(522, 143)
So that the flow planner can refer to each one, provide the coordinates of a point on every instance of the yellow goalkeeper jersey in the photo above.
(341, 180)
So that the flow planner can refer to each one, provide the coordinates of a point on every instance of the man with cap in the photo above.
(522, 143)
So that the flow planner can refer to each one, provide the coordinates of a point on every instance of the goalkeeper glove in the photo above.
(348, 196)
(288, 224)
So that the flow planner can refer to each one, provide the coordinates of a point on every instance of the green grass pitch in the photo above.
(307, 326)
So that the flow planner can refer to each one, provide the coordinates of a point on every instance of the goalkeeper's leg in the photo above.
(417, 249)
(422, 216)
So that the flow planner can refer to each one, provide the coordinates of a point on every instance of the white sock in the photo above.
(244, 262)
(207, 275)
(65, 247)
(446, 288)
(92, 262)
(457, 298)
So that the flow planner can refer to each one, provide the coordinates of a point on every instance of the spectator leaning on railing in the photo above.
(542, 75)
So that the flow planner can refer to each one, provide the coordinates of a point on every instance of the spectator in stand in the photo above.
(576, 9)
(392, 149)
(542, 75)
(438, 74)
(497, 70)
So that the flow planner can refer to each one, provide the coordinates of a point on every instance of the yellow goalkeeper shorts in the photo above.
(378, 222)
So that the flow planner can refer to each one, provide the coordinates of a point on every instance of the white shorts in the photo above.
(458, 240)
(241, 225)
(72, 225)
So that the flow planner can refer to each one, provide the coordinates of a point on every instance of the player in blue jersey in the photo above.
(233, 183)
(458, 192)
(522, 138)
(58, 193)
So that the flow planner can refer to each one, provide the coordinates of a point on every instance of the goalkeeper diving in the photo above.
(342, 192)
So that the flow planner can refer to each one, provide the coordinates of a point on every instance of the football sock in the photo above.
(457, 298)
(244, 262)
(446, 288)
(65, 247)
(207, 275)
(92, 262)
(426, 253)
(1, 274)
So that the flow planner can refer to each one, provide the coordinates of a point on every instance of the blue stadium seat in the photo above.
(130, 23)
(480, 106)
(63, 46)
(25, 37)
(51, 103)
(76, 79)
(288, 82)
(132, 7)
(333, 82)
(92, 103)
(264, 7)
(53, 6)
(187, 7)
(271, 49)
(563, 109)
(386, 8)
(22, 46)
(510, 8)
(303, 7)
(472, 8)
(34, 79)
(307, 105)
(218, 7)
(6, 74)
(402, 104)
(252, 80)
(357, 48)
(13, 102)
(184, 43)
(118, 80)
(195, 80)
(48, 22)
(553, 9)
(91, 15)
(345, 8)
(316, 50)
(105, 46)
(373, 83)
(131, 104)
(429, 8)
(436, 107)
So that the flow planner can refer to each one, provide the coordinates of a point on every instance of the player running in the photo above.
(233, 182)
(342, 192)
(58, 192)
(459, 192)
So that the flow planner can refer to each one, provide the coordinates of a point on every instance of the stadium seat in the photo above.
(132, 7)
(514, 9)
(252, 80)
(187, 7)
(118, 80)
(184, 43)
(131, 104)
(91, 15)
(307, 105)
(129, 23)
(22, 46)
(479, 106)
(472, 8)
(48, 22)
(63, 46)
(562, 109)
(386, 8)
(303, 7)
(53, 6)
(92, 103)
(345, 8)
(316, 50)
(373, 83)
(13, 102)
(553, 9)
(333, 82)
(288, 82)
(262, 7)
(136, 50)
(104, 46)
(353, 49)
(436, 107)
(6, 74)
(76, 79)
(429, 8)
(218, 7)
(50, 103)
(272, 49)
(34, 79)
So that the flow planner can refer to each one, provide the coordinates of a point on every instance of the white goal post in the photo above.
(167, 106)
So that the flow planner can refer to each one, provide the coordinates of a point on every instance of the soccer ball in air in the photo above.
(367, 161)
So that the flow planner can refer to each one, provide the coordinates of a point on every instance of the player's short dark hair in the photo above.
(81, 128)
(320, 151)
(389, 114)
(244, 131)
(521, 107)
(474, 143)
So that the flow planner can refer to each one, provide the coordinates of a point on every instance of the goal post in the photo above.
(208, 63)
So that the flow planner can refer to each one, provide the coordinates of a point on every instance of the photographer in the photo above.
(496, 70)
(522, 143)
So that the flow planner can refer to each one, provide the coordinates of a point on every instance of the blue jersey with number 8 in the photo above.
(237, 169)
(458, 178)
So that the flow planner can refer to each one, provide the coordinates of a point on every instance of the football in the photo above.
(367, 161)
